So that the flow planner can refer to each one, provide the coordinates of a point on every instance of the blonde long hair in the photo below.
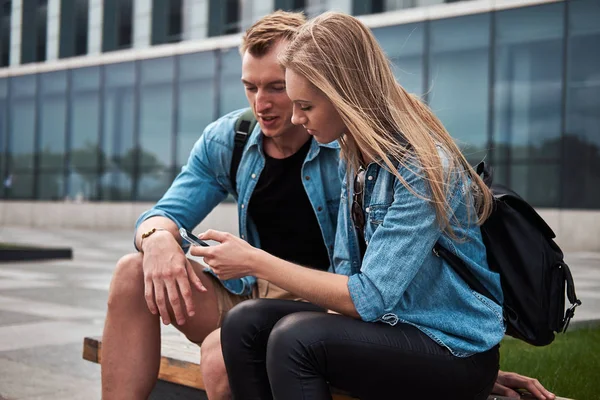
(341, 58)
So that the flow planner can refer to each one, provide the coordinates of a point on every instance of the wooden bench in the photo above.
(179, 376)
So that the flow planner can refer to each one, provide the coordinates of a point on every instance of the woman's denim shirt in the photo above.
(204, 182)
(400, 279)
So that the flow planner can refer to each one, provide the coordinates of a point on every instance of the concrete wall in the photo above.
(576, 230)
(98, 216)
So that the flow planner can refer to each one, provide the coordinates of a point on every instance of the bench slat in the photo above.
(180, 363)
(172, 368)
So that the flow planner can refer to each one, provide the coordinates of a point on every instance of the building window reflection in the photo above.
(581, 170)
(156, 127)
(403, 44)
(5, 19)
(52, 135)
(118, 132)
(196, 102)
(231, 90)
(86, 155)
(33, 39)
(459, 68)
(224, 17)
(117, 27)
(528, 100)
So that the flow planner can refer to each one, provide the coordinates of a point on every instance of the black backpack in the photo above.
(533, 274)
(243, 128)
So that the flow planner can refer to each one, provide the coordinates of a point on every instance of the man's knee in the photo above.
(212, 365)
(128, 280)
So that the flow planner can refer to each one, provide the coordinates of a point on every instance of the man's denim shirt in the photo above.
(400, 279)
(204, 182)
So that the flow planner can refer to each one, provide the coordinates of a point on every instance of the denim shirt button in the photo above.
(307, 178)
(367, 209)
(370, 177)
(242, 206)
(243, 237)
(319, 208)
(253, 176)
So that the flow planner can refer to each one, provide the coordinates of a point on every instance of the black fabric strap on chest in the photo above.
(243, 127)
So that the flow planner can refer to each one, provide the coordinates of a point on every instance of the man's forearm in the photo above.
(157, 222)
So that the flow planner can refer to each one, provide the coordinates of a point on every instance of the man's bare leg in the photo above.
(131, 338)
(213, 369)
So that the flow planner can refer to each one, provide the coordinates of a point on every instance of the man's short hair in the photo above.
(279, 25)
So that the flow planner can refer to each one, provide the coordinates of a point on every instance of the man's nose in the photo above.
(263, 102)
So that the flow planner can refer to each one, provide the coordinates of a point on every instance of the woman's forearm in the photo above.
(319, 287)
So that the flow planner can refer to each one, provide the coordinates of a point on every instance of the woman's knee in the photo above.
(127, 281)
(294, 335)
(243, 318)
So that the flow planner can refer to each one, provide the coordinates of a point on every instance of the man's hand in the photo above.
(508, 382)
(167, 269)
(230, 259)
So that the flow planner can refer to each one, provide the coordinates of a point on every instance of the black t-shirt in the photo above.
(284, 217)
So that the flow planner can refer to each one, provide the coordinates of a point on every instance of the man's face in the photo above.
(264, 81)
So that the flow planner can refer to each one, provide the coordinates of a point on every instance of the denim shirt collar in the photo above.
(256, 139)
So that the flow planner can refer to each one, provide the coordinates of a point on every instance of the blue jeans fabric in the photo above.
(279, 349)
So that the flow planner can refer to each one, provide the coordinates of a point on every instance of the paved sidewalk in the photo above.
(46, 308)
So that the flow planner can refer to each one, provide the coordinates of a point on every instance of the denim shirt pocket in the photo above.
(377, 212)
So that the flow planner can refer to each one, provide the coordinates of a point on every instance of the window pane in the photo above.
(156, 113)
(196, 101)
(116, 186)
(124, 27)
(459, 67)
(153, 183)
(85, 119)
(83, 185)
(538, 183)
(51, 185)
(3, 128)
(5, 17)
(528, 72)
(582, 136)
(52, 130)
(22, 186)
(81, 26)
(231, 88)
(22, 127)
(404, 45)
(119, 116)
(198, 66)
(52, 114)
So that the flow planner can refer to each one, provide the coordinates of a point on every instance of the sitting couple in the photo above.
(319, 290)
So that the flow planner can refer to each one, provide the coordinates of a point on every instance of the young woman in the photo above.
(401, 324)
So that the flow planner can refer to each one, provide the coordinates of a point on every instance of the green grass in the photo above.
(569, 367)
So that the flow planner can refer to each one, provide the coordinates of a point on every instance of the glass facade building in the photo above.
(518, 87)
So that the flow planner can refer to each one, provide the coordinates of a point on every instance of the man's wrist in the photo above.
(150, 236)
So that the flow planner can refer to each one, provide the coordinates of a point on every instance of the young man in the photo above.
(287, 190)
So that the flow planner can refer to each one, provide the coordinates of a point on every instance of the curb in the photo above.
(29, 254)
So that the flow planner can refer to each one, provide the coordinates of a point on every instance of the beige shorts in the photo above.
(263, 290)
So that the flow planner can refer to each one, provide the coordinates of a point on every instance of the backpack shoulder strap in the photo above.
(243, 127)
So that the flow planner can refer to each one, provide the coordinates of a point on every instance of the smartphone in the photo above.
(191, 238)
